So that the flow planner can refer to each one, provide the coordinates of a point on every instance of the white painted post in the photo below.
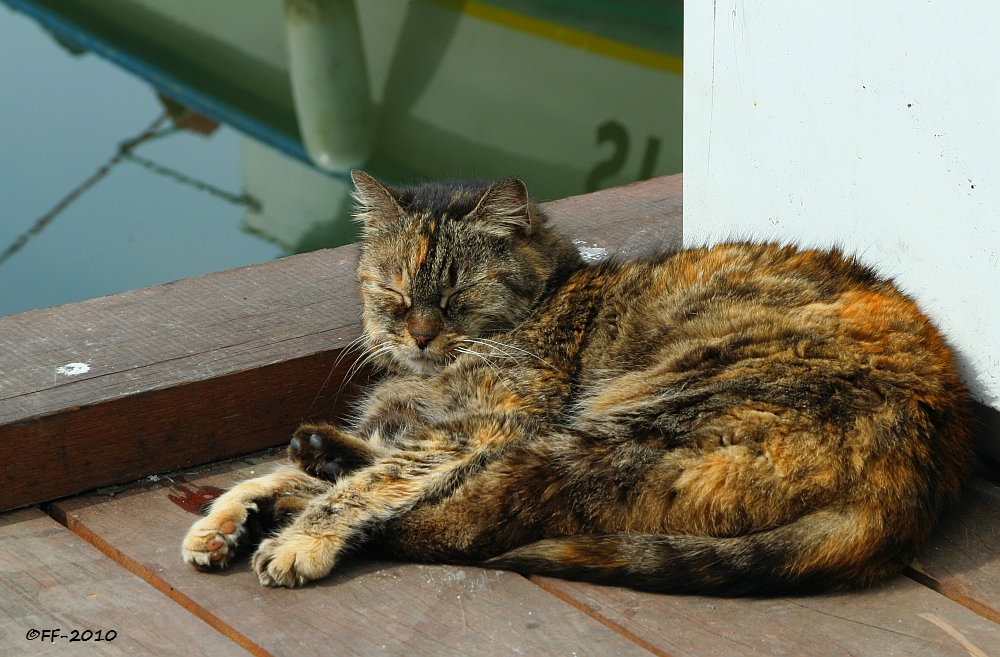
(870, 124)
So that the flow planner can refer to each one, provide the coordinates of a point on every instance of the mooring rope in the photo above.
(245, 200)
(125, 152)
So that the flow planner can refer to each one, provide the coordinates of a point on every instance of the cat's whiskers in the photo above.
(354, 365)
(502, 346)
(367, 357)
(375, 353)
(486, 360)
(355, 345)
(493, 351)
(350, 347)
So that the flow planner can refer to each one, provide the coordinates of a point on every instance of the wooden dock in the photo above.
(189, 385)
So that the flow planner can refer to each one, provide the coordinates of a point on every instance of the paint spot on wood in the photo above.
(73, 369)
(590, 254)
(192, 498)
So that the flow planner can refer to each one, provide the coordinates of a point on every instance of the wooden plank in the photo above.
(179, 374)
(142, 434)
(50, 580)
(962, 560)
(628, 221)
(366, 608)
(901, 618)
(217, 365)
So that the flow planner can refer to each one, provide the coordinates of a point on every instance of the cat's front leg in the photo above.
(309, 548)
(240, 515)
(328, 453)
(294, 559)
(356, 507)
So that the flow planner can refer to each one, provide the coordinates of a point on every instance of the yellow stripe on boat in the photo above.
(566, 35)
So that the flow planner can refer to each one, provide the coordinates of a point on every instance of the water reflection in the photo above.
(571, 95)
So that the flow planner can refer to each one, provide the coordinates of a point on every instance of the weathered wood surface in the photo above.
(367, 608)
(179, 374)
(902, 618)
(219, 365)
(413, 609)
(955, 612)
(628, 221)
(51, 579)
(962, 560)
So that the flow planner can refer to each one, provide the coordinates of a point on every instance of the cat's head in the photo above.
(445, 263)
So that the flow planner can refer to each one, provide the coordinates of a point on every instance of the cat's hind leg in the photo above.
(329, 453)
(240, 516)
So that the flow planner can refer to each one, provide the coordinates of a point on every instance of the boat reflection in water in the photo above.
(570, 95)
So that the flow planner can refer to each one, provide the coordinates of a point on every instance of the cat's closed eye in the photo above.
(448, 294)
(451, 287)
(400, 301)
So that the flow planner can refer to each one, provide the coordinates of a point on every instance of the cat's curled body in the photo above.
(741, 419)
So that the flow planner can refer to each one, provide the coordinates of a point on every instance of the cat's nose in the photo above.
(422, 339)
(423, 329)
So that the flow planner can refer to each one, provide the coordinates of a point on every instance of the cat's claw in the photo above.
(314, 455)
(212, 541)
(292, 560)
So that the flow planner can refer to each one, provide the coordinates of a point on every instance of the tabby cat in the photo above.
(740, 419)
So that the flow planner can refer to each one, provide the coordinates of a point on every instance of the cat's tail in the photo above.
(820, 551)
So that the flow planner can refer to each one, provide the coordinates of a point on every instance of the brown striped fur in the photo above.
(740, 419)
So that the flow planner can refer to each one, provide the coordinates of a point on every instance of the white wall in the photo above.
(870, 124)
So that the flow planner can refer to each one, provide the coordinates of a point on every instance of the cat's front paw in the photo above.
(211, 542)
(328, 453)
(292, 559)
(314, 450)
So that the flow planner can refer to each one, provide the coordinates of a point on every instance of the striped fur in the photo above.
(740, 419)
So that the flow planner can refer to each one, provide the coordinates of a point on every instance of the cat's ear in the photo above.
(504, 208)
(377, 203)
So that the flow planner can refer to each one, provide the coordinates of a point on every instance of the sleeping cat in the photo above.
(740, 419)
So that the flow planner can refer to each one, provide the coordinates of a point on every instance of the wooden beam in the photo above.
(365, 608)
(118, 388)
(54, 579)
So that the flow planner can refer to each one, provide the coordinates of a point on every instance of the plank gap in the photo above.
(606, 622)
(148, 576)
(953, 593)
